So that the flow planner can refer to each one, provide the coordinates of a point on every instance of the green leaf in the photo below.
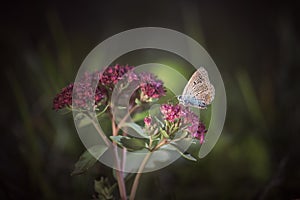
(87, 159)
(189, 157)
(133, 144)
(140, 116)
(103, 188)
(138, 102)
(186, 156)
(137, 128)
(117, 139)
(164, 133)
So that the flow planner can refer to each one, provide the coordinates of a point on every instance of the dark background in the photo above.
(255, 46)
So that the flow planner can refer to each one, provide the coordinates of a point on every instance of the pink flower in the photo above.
(196, 128)
(83, 93)
(64, 98)
(112, 74)
(148, 121)
(146, 83)
(199, 134)
(151, 87)
(189, 119)
(171, 112)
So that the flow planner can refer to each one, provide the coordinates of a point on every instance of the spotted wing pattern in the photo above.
(198, 92)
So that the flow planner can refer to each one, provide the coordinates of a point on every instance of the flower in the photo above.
(64, 98)
(199, 134)
(151, 87)
(112, 74)
(84, 96)
(171, 112)
(130, 76)
(148, 121)
(189, 120)
(83, 92)
(195, 127)
(147, 87)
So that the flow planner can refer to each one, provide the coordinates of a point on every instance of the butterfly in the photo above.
(198, 92)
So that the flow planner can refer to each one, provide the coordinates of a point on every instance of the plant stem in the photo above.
(121, 184)
(162, 143)
(119, 168)
(124, 151)
(125, 117)
(103, 136)
(138, 176)
(119, 174)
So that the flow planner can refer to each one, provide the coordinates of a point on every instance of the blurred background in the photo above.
(255, 46)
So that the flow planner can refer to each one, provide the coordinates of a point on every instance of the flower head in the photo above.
(83, 92)
(195, 127)
(64, 98)
(148, 121)
(130, 76)
(199, 134)
(189, 121)
(171, 112)
(112, 74)
(151, 87)
(84, 96)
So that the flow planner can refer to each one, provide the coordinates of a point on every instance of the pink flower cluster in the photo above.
(171, 112)
(111, 75)
(64, 98)
(189, 119)
(149, 86)
(199, 134)
(83, 93)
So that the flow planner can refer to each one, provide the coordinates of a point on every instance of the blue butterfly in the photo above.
(198, 92)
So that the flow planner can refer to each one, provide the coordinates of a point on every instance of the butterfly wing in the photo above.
(199, 87)
(197, 78)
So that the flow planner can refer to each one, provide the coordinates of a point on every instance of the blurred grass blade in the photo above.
(250, 98)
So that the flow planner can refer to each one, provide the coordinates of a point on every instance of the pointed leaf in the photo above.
(137, 128)
(117, 139)
(138, 102)
(187, 156)
(140, 116)
(133, 144)
(87, 159)
(164, 133)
